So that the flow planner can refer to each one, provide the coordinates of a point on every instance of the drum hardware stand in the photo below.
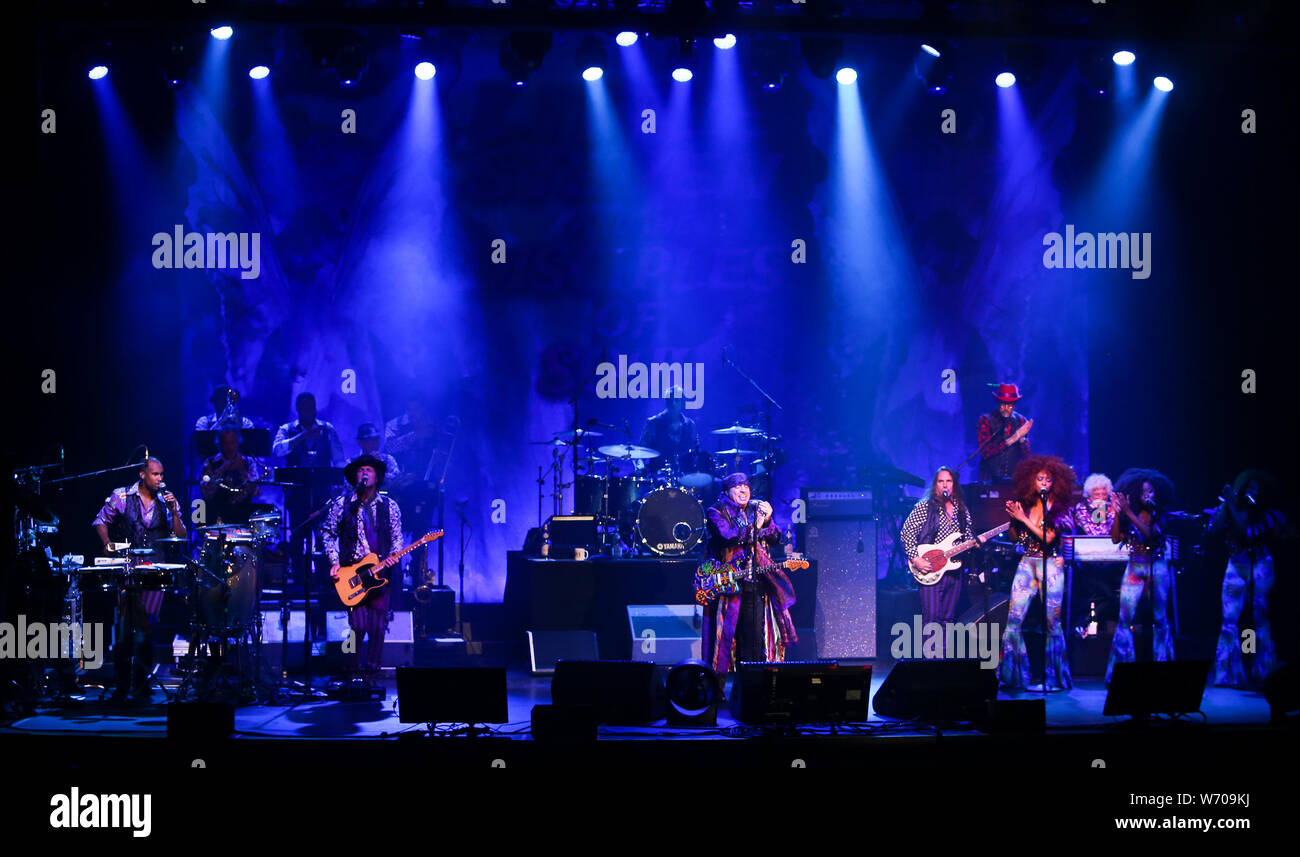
(768, 402)
(460, 595)
(285, 611)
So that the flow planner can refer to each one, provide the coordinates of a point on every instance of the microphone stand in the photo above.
(1042, 592)
(460, 594)
(306, 608)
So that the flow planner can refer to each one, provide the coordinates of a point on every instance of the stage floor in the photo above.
(1077, 709)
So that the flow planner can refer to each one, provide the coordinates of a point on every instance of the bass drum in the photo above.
(227, 590)
(670, 522)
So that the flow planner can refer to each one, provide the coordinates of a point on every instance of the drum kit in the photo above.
(219, 585)
(653, 512)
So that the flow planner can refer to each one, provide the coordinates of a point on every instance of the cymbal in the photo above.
(736, 429)
(627, 450)
(171, 540)
(34, 506)
(568, 435)
(736, 452)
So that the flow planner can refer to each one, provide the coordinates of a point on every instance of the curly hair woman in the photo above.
(1139, 503)
(1043, 485)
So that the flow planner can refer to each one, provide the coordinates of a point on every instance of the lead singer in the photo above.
(360, 522)
(753, 624)
(1044, 484)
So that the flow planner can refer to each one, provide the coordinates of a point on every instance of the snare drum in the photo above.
(670, 522)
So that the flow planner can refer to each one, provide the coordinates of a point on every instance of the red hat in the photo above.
(1007, 393)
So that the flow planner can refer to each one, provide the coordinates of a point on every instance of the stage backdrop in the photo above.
(487, 246)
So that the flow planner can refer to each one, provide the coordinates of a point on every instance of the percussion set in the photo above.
(650, 500)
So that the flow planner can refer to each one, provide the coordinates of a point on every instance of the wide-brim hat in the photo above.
(1007, 393)
(350, 472)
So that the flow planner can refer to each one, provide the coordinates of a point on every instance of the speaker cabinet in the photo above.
(845, 621)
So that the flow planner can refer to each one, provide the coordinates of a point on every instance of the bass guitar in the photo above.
(357, 580)
(939, 557)
(715, 578)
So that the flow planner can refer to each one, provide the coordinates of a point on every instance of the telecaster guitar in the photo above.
(715, 578)
(357, 580)
(940, 557)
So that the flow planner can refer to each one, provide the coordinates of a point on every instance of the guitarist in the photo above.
(359, 522)
(935, 517)
(754, 624)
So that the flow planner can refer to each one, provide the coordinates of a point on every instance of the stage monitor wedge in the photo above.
(958, 690)
(452, 695)
(1139, 689)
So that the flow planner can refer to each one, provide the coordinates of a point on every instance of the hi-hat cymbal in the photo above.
(627, 450)
(568, 435)
(736, 429)
(737, 452)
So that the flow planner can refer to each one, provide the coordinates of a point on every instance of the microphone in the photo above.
(945, 493)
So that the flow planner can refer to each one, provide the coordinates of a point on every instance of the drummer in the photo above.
(670, 432)
(229, 481)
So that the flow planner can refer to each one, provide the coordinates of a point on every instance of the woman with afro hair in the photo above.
(1140, 500)
(1043, 485)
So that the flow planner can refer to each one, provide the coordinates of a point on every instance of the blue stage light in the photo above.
(726, 42)
(682, 75)
(846, 76)
(258, 72)
(1123, 57)
(222, 33)
(425, 71)
(1005, 79)
(98, 71)
(593, 73)
(625, 39)
(932, 51)
(1163, 84)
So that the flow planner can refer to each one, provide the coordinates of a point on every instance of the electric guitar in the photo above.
(940, 557)
(715, 578)
(357, 580)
